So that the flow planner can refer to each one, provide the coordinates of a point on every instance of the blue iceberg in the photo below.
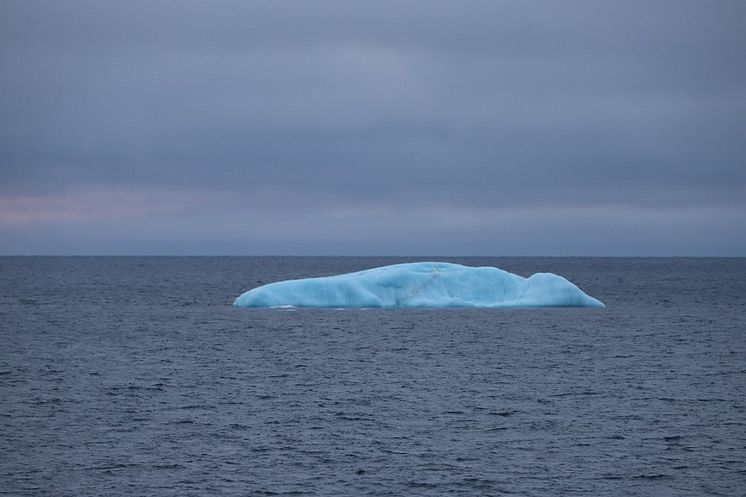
(421, 284)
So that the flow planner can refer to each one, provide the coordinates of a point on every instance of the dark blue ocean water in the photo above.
(136, 376)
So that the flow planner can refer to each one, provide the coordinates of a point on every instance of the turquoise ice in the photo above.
(421, 284)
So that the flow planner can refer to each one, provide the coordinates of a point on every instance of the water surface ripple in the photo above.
(136, 376)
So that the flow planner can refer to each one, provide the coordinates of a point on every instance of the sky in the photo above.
(373, 127)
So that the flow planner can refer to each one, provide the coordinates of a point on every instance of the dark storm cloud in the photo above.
(451, 111)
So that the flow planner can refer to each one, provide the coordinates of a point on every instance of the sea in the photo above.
(135, 376)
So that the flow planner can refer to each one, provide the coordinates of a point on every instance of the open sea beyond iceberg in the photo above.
(136, 376)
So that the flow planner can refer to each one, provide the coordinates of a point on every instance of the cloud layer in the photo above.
(373, 127)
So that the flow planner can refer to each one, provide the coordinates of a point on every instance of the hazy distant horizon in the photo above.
(419, 257)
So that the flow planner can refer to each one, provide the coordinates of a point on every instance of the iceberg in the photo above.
(421, 284)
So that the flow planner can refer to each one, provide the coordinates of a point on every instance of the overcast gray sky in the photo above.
(373, 127)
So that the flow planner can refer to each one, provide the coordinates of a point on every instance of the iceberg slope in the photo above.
(421, 284)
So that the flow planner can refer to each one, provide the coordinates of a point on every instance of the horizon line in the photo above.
(632, 256)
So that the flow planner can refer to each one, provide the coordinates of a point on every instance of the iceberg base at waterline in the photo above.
(421, 284)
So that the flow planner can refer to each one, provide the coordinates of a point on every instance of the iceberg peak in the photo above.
(421, 284)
